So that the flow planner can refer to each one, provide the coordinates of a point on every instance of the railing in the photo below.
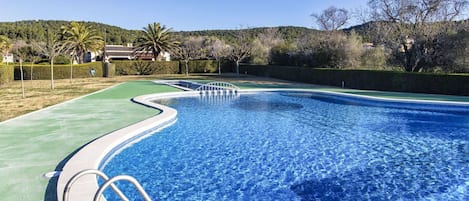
(108, 182)
(218, 88)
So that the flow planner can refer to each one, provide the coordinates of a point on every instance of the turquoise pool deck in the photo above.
(36, 143)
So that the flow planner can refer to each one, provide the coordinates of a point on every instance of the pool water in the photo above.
(300, 146)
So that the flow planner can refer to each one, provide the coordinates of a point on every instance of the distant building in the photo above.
(368, 46)
(8, 58)
(120, 52)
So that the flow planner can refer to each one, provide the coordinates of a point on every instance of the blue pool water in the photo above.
(301, 146)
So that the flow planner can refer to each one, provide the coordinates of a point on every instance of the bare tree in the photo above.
(415, 27)
(219, 50)
(190, 49)
(52, 48)
(263, 45)
(33, 57)
(241, 48)
(332, 18)
(21, 53)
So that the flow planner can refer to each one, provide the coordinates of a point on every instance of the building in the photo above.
(8, 58)
(120, 52)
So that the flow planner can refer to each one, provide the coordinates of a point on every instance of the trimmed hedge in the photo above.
(42, 72)
(172, 67)
(162, 67)
(202, 66)
(451, 84)
(6, 73)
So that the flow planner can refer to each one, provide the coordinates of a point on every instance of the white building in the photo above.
(8, 58)
(120, 52)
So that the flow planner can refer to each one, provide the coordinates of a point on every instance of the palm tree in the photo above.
(156, 39)
(80, 38)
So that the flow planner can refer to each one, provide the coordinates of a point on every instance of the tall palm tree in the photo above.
(80, 38)
(156, 39)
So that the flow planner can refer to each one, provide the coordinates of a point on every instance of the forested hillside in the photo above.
(36, 31)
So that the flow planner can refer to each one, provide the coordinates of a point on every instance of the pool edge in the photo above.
(91, 156)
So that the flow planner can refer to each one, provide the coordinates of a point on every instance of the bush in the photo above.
(374, 59)
(6, 73)
(452, 84)
(42, 72)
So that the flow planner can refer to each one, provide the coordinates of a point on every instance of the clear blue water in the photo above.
(300, 146)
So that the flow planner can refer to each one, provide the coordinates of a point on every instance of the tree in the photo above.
(241, 48)
(332, 18)
(80, 38)
(414, 28)
(262, 45)
(143, 67)
(32, 56)
(156, 39)
(190, 49)
(52, 48)
(21, 52)
(219, 50)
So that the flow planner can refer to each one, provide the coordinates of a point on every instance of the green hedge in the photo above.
(42, 72)
(6, 73)
(202, 66)
(172, 67)
(451, 84)
(162, 67)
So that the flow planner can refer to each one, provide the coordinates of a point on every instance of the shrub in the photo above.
(452, 84)
(374, 59)
(156, 67)
(6, 73)
(203, 66)
(42, 72)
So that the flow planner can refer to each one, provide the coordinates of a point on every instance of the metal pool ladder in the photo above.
(108, 182)
(218, 88)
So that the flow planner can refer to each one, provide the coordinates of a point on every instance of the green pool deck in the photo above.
(36, 143)
(39, 142)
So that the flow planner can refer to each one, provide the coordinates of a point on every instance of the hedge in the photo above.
(173, 67)
(450, 84)
(162, 67)
(6, 73)
(42, 72)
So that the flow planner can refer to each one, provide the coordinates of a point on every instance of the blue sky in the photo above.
(181, 15)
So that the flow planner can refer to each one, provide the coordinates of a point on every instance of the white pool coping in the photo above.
(92, 155)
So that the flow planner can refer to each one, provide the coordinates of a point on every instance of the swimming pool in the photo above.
(301, 146)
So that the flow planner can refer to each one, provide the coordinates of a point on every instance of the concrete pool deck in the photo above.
(34, 144)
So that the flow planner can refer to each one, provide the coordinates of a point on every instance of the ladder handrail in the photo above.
(111, 181)
(75, 177)
(217, 86)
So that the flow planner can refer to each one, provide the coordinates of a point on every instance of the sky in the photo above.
(180, 15)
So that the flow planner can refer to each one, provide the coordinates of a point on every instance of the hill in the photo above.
(35, 30)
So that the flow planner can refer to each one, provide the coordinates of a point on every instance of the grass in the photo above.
(39, 94)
